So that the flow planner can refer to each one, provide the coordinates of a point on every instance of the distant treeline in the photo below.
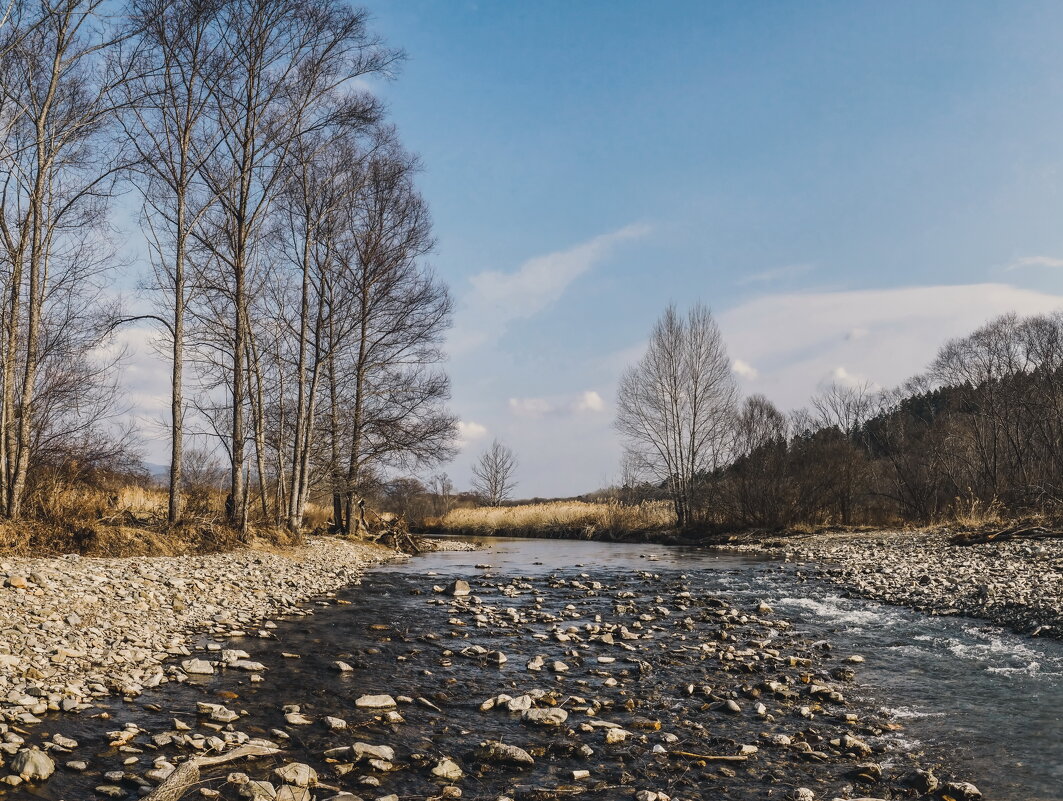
(978, 436)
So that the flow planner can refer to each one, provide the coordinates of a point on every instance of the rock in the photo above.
(803, 794)
(375, 702)
(197, 667)
(32, 765)
(614, 736)
(545, 717)
(503, 753)
(289, 792)
(342, 667)
(298, 774)
(448, 769)
(110, 790)
(963, 791)
(459, 588)
(258, 791)
(365, 751)
(923, 781)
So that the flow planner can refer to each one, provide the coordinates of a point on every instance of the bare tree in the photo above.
(676, 407)
(175, 54)
(442, 489)
(492, 475)
(292, 65)
(58, 169)
(387, 317)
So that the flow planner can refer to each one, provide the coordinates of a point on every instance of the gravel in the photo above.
(73, 629)
(1016, 584)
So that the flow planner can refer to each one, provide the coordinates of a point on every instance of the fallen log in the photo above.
(187, 773)
(1005, 535)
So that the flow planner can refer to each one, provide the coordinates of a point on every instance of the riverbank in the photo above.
(1016, 584)
(76, 629)
(540, 679)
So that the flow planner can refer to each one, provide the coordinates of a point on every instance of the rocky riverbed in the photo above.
(1016, 584)
(74, 630)
(626, 684)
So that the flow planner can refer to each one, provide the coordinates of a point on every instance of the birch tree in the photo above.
(58, 167)
(676, 407)
(292, 65)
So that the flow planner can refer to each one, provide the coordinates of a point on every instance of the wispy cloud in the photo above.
(589, 402)
(774, 274)
(801, 341)
(495, 299)
(1034, 261)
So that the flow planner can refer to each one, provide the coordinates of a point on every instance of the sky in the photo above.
(846, 185)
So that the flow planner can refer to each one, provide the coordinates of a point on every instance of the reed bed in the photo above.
(562, 518)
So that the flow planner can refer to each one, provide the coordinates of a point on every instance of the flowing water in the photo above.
(984, 701)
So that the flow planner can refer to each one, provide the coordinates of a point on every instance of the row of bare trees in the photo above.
(285, 236)
(981, 429)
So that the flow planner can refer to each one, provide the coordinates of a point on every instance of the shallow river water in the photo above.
(984, 702)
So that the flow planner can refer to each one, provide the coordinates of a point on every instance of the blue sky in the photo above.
(846, 184)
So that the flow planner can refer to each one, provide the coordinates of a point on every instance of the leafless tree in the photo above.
(442, 489)
(58, 167)
(292, 65)
(676, 407)
(492, 475)
(176, 59)
(387, 316)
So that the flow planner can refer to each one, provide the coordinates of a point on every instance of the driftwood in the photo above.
(1012, 533)
(708, 757)
(187, 773)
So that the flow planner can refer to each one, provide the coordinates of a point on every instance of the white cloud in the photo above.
(497, 299)
(589, 401)
(745, 370)
(469, 432)
(799, 340)
(530, 407)
(1034, 261)
(842, 377)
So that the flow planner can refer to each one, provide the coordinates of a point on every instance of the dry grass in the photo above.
(560, 518)
(972, 513)
(127, 520)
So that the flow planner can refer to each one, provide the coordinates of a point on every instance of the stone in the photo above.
(366, 751)
(448, 769)
(546, 717)
(459, 588)
(298, 774)
(32, 764)
(289, 792)
(502, 753)
(963, 791)
(375, 702)
(197, 667)
(258, 791)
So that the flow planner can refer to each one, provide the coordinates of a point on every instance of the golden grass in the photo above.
(561, 517)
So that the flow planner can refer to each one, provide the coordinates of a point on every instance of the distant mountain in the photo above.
(158, 471)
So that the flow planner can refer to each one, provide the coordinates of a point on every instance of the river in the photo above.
(986, 702)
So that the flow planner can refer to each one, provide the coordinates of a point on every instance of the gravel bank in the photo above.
(73, 629)
(1017, 584)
